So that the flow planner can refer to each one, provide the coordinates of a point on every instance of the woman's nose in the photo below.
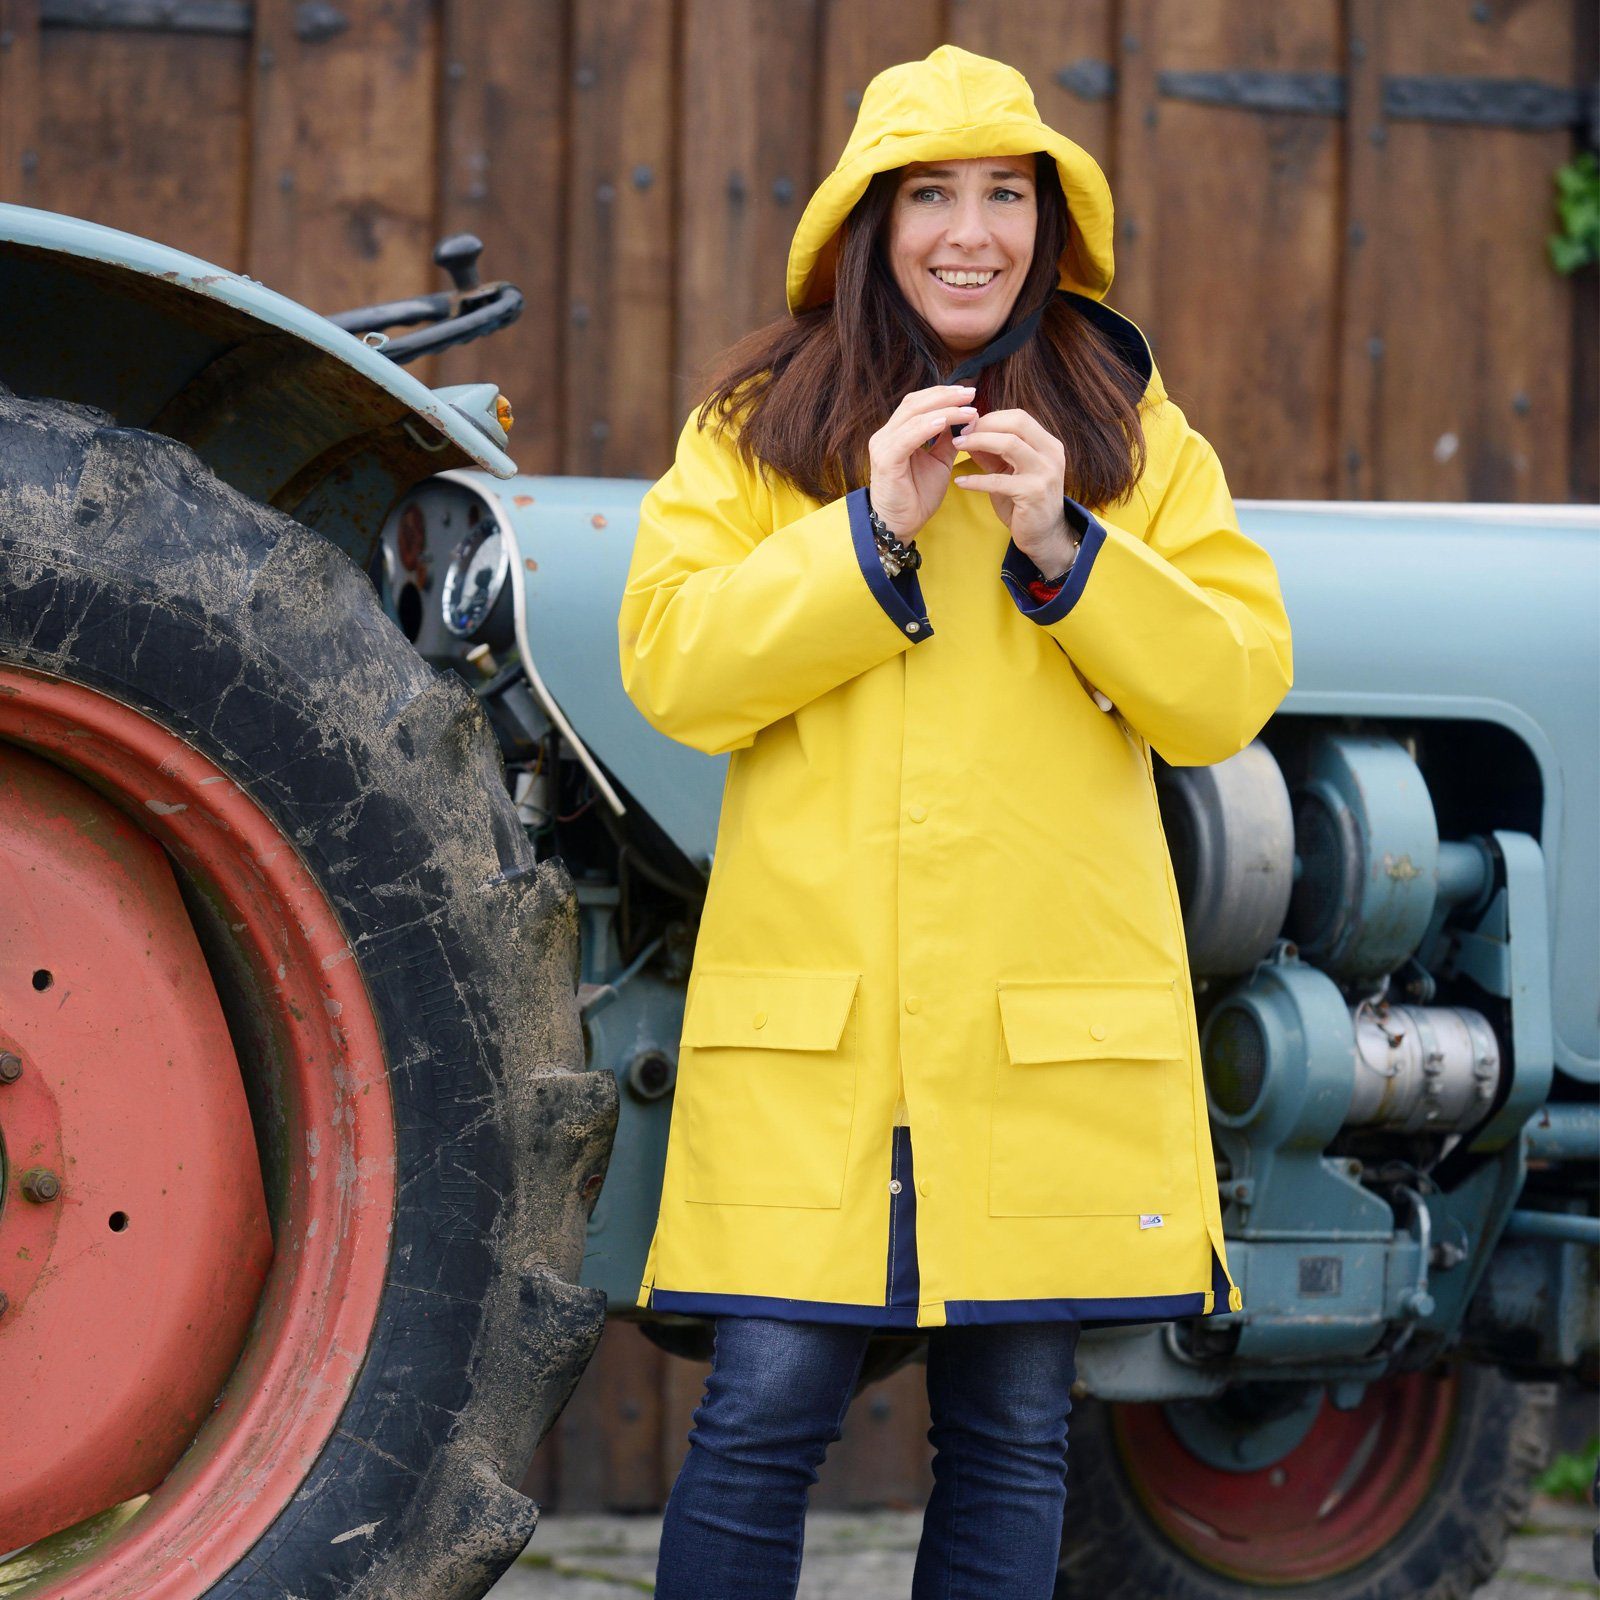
(968, 226)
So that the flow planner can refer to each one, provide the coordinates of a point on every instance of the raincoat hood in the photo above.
(952, 105)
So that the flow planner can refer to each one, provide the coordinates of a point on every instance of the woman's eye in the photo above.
(917, 194)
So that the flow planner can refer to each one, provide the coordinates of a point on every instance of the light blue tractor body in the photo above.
(1477, 621)
(1392, 899)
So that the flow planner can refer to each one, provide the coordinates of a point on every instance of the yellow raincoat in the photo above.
(941, 887)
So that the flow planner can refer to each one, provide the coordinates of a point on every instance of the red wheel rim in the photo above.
(322, 1064)
(1336, 1499)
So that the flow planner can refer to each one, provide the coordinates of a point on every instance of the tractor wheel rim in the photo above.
(337, 1193)
(1339, 1497)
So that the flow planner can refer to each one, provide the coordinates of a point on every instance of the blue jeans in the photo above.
(776, 1399)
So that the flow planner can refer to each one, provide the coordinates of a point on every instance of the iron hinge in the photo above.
(1524, 103)
(314, 20)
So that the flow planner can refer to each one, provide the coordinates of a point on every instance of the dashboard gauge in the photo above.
(475, 581)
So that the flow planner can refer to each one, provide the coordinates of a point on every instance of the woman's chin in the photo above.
(966, 340)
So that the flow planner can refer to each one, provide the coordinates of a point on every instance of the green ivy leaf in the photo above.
(1578, 210)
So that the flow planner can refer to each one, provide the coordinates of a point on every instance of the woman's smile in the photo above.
(965, 283)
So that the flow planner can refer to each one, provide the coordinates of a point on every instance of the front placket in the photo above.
(920, 937)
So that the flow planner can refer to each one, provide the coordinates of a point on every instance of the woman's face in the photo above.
(960, 240)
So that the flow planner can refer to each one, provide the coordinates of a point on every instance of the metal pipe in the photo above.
(1466, 871)
(1553, 1225)
(1565, 1133)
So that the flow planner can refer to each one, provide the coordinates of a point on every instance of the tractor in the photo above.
(350, 906)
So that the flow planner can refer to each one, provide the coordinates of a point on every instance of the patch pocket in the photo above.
(1082, 1112)
(767, 1086)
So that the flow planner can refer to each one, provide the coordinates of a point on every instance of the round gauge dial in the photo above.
(474, 580)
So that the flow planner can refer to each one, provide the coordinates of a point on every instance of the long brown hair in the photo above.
(808, 391)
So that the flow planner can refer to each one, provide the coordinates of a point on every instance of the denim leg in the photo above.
(774, 1401)
(999, 1396)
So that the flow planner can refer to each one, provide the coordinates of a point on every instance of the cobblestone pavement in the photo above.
(869, 1555)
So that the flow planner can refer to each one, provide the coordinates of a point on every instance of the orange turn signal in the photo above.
(502, 412)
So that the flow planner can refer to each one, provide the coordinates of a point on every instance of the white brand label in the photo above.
(1149, 1219)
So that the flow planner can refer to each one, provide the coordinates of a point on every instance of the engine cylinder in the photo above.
(1419, 1068)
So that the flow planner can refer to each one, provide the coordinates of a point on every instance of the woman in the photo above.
(941, 906)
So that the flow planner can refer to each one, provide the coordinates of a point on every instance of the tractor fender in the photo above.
(276, 400)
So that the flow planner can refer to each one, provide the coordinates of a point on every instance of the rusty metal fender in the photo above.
(276, 400)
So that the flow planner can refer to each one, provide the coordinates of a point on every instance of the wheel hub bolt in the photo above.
(10, 1067)
(40, 1185)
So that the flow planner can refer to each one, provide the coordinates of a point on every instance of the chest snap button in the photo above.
(760, 1019)
(1097, 1030)
(894, 1186)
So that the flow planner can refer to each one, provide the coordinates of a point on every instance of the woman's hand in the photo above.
(911, 456)
(1024, 475)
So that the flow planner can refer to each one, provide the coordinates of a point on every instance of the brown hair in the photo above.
(808, 391)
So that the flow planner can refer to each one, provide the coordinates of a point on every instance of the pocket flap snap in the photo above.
(769, 1010)
(1131, 1019)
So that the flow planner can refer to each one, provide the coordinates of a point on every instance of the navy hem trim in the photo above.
(958, 1313)
(1017, 569)
(902, 1288)
(901, 598)
(1091, 1313)
(761, 1305)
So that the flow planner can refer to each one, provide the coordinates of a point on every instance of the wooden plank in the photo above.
(1361, 288)
(502, 146)
(682, 1387)
(859, 41)
(1045, 40)
(342, 192)
(19, 101)
(1235, 267)
(882, 1458)
(609, 1459)
(749, 83)
(145, 132)
(1475, 388)
(1134, 159)
(620, 241)
(1585, 429)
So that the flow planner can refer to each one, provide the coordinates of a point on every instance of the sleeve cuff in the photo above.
(1016, 569)
(900, 598)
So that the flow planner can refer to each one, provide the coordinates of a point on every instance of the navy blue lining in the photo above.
(1130, 344)
(901, 598)
(903, 1286)
(905, 1279)
(1018, 570)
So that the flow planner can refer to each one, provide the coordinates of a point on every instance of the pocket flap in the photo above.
(1100, 1019)
(769, 1010)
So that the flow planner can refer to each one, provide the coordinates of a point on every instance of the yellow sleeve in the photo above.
(1183, 628)
(727, 624)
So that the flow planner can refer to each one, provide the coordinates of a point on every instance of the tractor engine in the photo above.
(1355, 975)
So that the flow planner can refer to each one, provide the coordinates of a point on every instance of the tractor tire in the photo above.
(1412, 1497)
(217, 687)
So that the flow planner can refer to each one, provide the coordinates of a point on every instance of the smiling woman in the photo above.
(939, 1066)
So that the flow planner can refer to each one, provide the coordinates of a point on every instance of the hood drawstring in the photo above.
(998, 349)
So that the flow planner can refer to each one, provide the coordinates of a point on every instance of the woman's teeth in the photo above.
(961, 280)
